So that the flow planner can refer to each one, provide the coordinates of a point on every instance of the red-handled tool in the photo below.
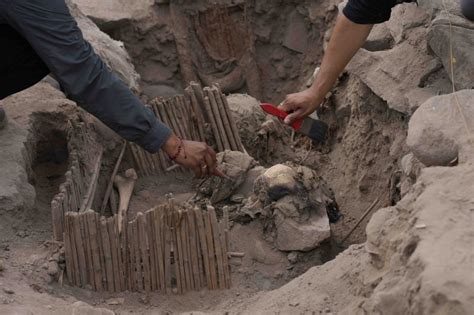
(312, 128)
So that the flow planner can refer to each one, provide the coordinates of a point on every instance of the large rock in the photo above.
(437, 131)
(301, 236)
(111, 51)
(394, 73)
(235, 165)
(296, 34)
(248, 117)
(461, 35)
(109, 14)
(15, 191)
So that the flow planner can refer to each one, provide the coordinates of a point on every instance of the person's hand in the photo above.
(299, 105)
(197, 156)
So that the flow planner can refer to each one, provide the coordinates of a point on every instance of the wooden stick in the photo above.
(86, 239)
(215, 113)
(138, 264)
(150, 228)
(184, 117)
(226, 244)
(74, 250)
(109, 270)
(225, 120)
(122, 254)
(210, 246)
(115, 250)
(113, 202)
(215, 129)
(68, 252)
(197, 114)
(178, 256)
(89, 196)
(165, 111)
(218, 246)
(167, 263)
(174, 114)
(235, 130)
(185, 247)
(143, 241)
(366, 213)
(197, 89)
(56, 219)
(159, 249)
(131, 253)
(163, 160)
(203, 246)
(110, 185)
(235, 254)
(136, 158)
(83, 274)
(92, 218)
(225, 257)
(193, 247)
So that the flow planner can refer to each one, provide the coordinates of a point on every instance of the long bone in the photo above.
(125, 187)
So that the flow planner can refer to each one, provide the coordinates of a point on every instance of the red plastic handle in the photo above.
(277, 112)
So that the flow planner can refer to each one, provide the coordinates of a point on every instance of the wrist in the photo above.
(171, 146)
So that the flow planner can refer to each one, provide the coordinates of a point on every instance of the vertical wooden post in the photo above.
(143, 241)
(218, 245)
(109, 272)
(203, 246)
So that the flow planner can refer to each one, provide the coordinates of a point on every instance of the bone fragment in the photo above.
(125, 187)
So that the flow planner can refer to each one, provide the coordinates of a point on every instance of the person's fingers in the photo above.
(197, 171)
(210, 164)
(293, 116)
(286, 105)
(212, 153)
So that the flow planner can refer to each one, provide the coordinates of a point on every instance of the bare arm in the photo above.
(347, 38)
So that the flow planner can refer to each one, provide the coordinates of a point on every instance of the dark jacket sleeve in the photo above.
(54, 35)
(370, 11)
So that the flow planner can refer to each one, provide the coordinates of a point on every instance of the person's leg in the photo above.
(20, 66)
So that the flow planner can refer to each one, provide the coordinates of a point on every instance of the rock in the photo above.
(293, 257)
(405, 17)
(296, 34)
(462, 34)
(112, 14)
(8, 291)
(410, 166)
(434, 7)
(2, 265)
(391, 74)
(112, 52)
(235, 165)
(248, 118)
(417, 97)
(379, 38)
(81, 308)
(15, 191)
(294, 236)
(53, 268)
(115, 301)
(437, 132)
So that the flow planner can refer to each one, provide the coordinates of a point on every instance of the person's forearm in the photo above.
(347, 38)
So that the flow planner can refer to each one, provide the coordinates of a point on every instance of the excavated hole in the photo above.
(47, 149)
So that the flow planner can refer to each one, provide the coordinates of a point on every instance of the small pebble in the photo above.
(8, 291)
